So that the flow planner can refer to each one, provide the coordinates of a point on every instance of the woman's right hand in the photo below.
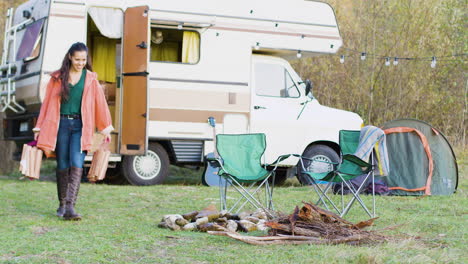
(36, 135)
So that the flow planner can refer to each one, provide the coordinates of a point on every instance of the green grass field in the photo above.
(120, 226)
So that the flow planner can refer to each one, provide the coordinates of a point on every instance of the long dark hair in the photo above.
(63, 74)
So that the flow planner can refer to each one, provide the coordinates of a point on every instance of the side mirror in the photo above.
(308, 87)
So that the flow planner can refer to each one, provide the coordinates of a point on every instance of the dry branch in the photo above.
(312, 225)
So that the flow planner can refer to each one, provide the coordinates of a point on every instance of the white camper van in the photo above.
(167, 66)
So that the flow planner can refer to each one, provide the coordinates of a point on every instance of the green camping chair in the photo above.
(349, 168)
(240, 165)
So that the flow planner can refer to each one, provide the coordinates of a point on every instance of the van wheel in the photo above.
(151, 169)
(317, 153)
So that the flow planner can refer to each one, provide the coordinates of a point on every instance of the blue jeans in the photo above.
(68, 149)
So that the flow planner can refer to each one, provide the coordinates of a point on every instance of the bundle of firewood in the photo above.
(210, 219)
(312, 225)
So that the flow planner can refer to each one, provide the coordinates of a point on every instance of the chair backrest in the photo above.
(349, 141)
(350, 164)
(242, 154)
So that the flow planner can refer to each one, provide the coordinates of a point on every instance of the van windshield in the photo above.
(274, 80)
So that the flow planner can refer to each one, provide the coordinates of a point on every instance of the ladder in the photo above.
(8, 67)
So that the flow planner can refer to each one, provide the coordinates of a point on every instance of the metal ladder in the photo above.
(8, 80)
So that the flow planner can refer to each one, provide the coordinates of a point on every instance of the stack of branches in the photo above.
(312, 225)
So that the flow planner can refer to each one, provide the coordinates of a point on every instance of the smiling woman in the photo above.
(73, 107)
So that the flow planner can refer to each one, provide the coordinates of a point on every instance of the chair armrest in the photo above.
(214, 162)
(281, 158)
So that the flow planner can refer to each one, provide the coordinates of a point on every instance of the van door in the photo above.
(276, 103)
(134, 136)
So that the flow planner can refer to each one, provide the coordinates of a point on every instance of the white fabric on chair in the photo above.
(372, 137)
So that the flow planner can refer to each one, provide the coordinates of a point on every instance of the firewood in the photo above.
(190, 216)
(181, 221)
(247, 225)
(202, 221)
(211, 227)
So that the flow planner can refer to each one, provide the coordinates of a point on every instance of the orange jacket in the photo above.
(94, 113)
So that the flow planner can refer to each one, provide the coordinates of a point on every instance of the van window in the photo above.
(174, 45)
(30, 46)
(274, 80)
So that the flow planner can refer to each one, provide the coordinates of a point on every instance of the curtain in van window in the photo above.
(166, 51)
(104, 58)
(190, 47)
(108, 20)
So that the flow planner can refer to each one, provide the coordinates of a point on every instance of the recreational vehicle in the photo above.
(167, 66)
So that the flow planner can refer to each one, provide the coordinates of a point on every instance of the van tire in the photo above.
(319, 152)
(151, 169)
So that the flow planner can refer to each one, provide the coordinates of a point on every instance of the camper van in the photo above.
(166, 67)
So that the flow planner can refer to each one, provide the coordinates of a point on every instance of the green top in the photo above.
(73, 105)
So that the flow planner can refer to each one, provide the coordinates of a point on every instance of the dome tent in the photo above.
(422, 162)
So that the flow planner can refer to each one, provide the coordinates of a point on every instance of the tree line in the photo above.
(379, 93)
(416, 29)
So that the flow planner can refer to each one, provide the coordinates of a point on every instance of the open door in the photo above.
(134, 136)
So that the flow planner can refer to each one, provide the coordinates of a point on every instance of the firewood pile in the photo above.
(311, 225)
(210, 219)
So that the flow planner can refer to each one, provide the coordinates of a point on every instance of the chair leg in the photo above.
(222, 193)
(373, 194)
(249, 196)
(323, 193)
(356, 197)
(235, 205)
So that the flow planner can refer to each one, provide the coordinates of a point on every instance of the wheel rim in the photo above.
(147, 167)
(320, 164)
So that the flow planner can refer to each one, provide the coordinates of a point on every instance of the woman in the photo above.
(74, 106)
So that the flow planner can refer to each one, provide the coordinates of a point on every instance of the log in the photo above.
(293, 240)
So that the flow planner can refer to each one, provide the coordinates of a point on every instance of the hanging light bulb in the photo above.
(179, 26)
(342, 59)
(395, 61)
(299, 54)
(257, 46)
(363, 56)
(433, 62)
(387, 61)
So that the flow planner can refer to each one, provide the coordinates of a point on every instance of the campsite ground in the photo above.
(120, 226)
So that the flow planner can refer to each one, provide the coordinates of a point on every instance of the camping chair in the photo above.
(349, 168)
(240, 166)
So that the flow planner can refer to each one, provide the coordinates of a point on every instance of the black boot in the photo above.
(74, 180)
(62, 184)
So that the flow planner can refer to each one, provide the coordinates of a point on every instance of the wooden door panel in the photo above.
(134, 136)
(136, 25)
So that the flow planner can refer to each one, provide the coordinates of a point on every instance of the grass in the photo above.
(120, 226)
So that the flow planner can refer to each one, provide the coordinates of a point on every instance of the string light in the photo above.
(387, 61)
(433, 62)
(363, 56)
(396, 60)
(299, 54)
